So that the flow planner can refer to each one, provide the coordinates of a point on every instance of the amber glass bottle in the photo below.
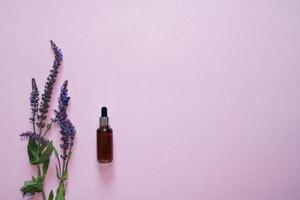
(104, 139)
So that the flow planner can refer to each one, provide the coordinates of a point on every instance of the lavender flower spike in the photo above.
(63, 102)
(34, 100)
(46, 96)
(67, 129)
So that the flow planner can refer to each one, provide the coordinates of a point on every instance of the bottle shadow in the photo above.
(107, 173)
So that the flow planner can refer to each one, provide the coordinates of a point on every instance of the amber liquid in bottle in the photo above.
(104, 139)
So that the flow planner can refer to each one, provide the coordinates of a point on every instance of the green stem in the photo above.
(40, 132)
(43, 195)
(39, 174)
(33, 125)
(58, 160)
(68, 158)
(64, 162)
(48, 128)
(39, 170)
(67, 155)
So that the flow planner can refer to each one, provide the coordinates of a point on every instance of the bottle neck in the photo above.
(104, 122)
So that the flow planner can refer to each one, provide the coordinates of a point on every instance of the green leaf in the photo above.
(40, 179)
(47, 153)
(33, 152)
(45, 166)
(60, 192)
(50, 195)
(42, 147)
(32, 186)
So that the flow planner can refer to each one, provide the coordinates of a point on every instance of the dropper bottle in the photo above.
(104, 139)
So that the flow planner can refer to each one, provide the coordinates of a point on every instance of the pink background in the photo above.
(203, 96)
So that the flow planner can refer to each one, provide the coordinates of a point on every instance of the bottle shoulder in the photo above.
(104, 130)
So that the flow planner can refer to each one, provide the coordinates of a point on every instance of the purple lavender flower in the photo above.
(67, 129)
(46, 96)
(34, 100)
(35, 137)
(63, 102)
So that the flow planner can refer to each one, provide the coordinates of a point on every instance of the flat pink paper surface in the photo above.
(203, 96)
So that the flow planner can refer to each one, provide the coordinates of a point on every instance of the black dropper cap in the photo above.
(103, 112)
(103, 118)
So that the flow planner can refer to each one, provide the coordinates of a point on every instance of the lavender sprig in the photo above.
(68, 132)
(40, 149)
(51, 79)
(67, 129)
